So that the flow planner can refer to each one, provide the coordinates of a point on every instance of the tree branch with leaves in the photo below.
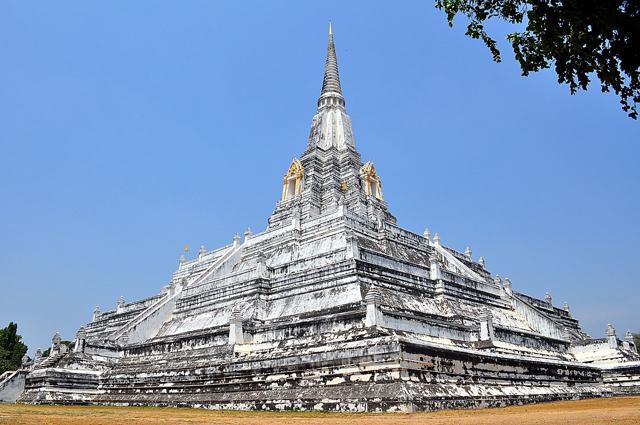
(579, 38)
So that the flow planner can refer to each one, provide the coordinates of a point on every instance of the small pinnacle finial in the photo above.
(427, 234)
(330, 29)
(628, 336)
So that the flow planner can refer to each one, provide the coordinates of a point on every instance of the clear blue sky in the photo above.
(129, 128)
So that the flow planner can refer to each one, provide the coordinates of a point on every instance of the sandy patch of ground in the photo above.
(622, 410)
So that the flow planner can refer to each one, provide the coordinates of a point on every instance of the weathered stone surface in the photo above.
(334, 307)
(12, 385)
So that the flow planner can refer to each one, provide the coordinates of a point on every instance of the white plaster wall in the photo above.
(12, 387)
(424, 328)
(314, 301)
(597, 352)
(384, 261)
(150, 325)
(537, 321)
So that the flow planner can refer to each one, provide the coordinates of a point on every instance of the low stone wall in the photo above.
(60, 386)
(364, 370)
(12, 387)
(623, 379)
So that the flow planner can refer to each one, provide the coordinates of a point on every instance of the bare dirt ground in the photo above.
(623, 410)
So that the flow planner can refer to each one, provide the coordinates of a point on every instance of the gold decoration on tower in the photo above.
(292, 186)
(343, 186)
(371, 180)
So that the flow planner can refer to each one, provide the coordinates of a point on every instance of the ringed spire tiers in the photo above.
(331, 126)
(331, 94)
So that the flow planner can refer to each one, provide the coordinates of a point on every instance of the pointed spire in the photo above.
(331, 90)
(427, 234)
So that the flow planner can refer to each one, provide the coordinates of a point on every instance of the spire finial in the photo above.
(331, 95)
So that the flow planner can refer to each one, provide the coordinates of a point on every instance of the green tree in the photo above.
(11, 348)
(581, 38)
(636, 339)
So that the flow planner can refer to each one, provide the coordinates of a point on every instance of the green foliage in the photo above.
(636, 339)
(580, 37)
(46, 352)
(11, 348)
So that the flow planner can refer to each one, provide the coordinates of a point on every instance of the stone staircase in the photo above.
(6, 375)
(156, 314)
(110, 321)
(50, 361)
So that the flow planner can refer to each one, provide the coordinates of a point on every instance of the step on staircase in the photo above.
(51, 360)
(6, 375)
(169, 297)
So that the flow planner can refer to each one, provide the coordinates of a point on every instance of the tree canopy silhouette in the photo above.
(580, 38)
(11, 348)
